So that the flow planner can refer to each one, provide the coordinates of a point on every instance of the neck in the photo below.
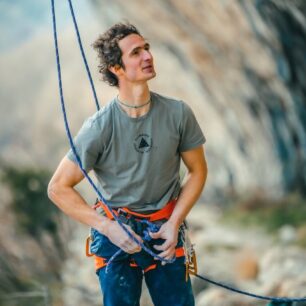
(136, 98)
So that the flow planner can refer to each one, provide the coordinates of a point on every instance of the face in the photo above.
(137, 60)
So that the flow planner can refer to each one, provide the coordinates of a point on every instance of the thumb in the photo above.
(155, 235)
(133, 233)
(138, 238)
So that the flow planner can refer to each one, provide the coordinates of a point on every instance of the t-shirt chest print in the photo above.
(143, 143)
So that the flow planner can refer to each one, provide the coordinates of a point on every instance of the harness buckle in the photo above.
(122, 212)
(123, 215)
(87, 246)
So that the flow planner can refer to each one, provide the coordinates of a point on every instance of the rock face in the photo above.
(30, 265)
(247, 259)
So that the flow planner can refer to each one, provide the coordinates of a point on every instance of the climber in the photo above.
(135, 145)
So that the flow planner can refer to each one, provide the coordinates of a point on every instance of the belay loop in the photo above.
(275, 300)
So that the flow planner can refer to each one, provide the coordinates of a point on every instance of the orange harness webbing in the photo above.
(100, 262)
(163, 213)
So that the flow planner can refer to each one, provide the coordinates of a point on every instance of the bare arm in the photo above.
(62, 193)
(196, 177)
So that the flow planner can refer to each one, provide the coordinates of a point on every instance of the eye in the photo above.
(135, 52)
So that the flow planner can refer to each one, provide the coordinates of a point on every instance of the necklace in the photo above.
(134, 106)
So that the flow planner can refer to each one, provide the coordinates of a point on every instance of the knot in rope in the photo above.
(151, 227)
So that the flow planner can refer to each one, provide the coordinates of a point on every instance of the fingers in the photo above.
(128, 245)
(131, 250)
(162, 247)
(168, 250)
(122, 239)
(166, 245)
(167, 255)
(155, 235)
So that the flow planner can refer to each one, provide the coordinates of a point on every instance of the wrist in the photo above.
(174, 222)
(104, 225)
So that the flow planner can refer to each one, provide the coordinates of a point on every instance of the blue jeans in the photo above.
(121, 285)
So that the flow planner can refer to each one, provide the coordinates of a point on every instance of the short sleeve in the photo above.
(87, 144)
(191, 135)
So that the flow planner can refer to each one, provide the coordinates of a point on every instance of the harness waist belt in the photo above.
(163, 213)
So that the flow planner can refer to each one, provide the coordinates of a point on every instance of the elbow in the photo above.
(204, 173)
(52, 191)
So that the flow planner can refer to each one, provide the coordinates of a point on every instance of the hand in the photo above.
(168, 232)
(120, 238)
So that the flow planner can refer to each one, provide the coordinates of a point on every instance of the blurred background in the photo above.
(239, 64)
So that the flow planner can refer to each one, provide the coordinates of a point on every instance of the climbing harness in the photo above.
(141, 224)
(190, 255)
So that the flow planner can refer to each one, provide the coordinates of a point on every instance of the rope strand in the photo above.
(261, 297)
(83, 55)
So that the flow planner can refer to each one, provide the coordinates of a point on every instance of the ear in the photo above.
(115, 69)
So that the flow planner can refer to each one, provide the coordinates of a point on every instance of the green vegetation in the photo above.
(29, 202)
(34, 217)
(270, 214)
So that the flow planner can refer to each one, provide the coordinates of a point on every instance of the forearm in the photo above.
(189, 194)
(74, 205)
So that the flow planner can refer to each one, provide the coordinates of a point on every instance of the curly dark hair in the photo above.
(109, 52)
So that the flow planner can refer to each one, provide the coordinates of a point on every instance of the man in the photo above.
(135, 145)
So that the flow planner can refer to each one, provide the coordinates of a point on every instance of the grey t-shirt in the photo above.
(137, 160)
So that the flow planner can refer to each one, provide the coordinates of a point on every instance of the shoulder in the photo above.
(102, 117)
(98, 124)
(169, 103)
(166, 101)
(173, 105)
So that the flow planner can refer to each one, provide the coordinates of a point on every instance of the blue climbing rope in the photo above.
(273, 299)
(83, 55)
(276, 300)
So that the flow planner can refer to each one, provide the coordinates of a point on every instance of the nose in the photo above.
(147, 55)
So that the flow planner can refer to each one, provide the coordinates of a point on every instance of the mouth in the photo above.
(148, 67)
